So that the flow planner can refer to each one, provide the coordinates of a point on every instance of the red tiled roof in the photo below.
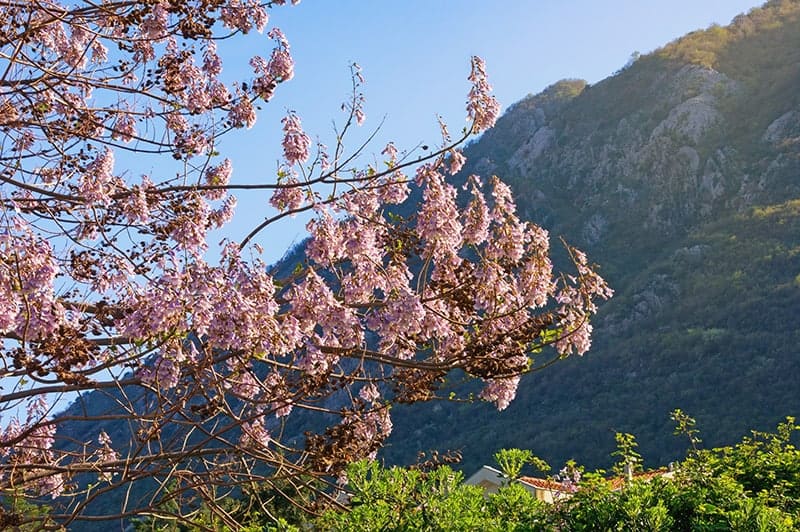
(618, 482)
(541, 483)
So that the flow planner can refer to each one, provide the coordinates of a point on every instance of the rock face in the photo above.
(785, 128)
(527, 154)
(671, 159)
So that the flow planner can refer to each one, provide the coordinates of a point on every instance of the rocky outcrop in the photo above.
(786, 128)
(667, 164)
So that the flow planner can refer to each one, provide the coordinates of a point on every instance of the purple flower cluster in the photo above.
(218, 176)
(98, 182)
(244, 15)
(289, 196)
(482, 108)
(29, 307)
(29, 445)
(295, 142)
(254, 435)
(500, 391)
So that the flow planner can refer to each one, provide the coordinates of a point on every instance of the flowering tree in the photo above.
(107, 288)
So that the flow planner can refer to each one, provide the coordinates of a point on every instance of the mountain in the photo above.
(680, 176)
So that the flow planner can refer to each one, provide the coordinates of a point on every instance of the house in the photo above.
(491, 480)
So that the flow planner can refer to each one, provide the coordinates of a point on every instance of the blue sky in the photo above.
(415, 57)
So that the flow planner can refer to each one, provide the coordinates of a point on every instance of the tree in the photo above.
(411, 499)
(108, 289)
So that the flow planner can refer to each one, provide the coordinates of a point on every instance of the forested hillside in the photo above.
(680, 175)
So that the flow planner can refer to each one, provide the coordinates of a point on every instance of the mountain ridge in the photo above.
(679, 175)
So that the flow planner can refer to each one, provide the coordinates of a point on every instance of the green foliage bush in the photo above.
(751, 486)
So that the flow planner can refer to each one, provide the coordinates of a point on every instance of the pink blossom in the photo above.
(154, 25)
(536, 280)
(278, 69)
(576, 305)
(276, 385)
(164, 374)
(218, 176)
(476, 219)
(326, 245)
(73, 52)
(591, 282)
(99, 52)
(28, 269)
(188, 229)
(289, 196)
(509, 234)
(224, 214)
(457, 161)
(314, 361)
(212, 64)
(264, 84)
(360, 116)
(153, 29)
(98, 182)
(244, 15)
(242, 113)
(482, 108)
(314, 305)
(577, 337)
(50, 33)
(495, 292)
(105, 455)
(393, 190)
(369, 393)
(243, 384)
(220, 95)
(391, 152)
(277, 35)
(503, 200)
(255, 435)
(438, 225)
(361, 203)
(113, 273)
(136, 207)
(281, 64)
(34, 449)
(399, 317)
(500, 391)
(51, 484)
(124, 127)
(295, 142)
(198, 99)
(233, 305)
(193, 142)
(158, 308)
(177, 123)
